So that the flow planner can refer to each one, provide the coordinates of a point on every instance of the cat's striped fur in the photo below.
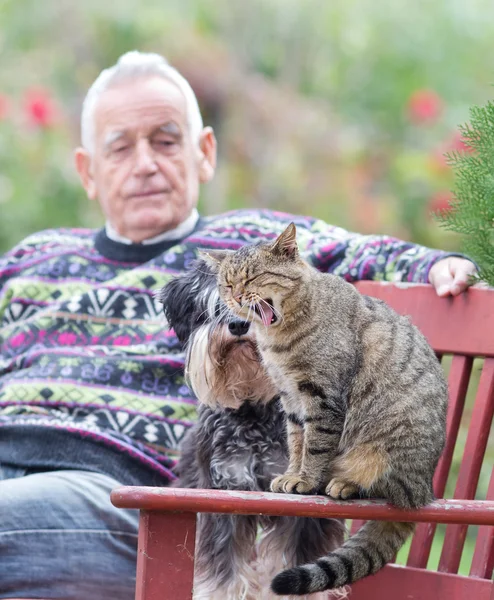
(363, 391)
(237, 443)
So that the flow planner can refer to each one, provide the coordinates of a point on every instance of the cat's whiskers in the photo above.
(208, 273)
(207, 311)
(252, 307)
(278, 314)
(275, 311)
(214, 325)
(247, 304)
(223, 314)
(235, 308)
(261, 312)
(217, 323)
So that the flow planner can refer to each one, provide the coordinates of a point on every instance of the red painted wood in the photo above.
(266, 503)
(462, 325)
(461, 368)
(165, 559)
(483, 557)
(459, 325)
(356, 525)
(475, 446)
(459, 375)
(406, 583)
(420, 548)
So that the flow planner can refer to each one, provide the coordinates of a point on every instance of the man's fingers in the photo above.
(463, 276)
(461, 280)
(443, 290)
(442, 279)
(451, 276)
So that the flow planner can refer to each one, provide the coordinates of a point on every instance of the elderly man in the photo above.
(91, 385)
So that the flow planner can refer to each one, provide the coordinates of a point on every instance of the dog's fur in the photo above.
(238, 443)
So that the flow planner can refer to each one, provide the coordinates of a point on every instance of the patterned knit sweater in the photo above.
(91, 377)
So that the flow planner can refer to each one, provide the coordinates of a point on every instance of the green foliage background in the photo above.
(310, 101)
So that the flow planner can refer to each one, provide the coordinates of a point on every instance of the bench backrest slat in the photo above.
(473, 456)
(462, 327)
(483, 557)
(459, 377)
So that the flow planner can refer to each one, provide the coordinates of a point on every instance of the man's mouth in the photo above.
(149, 193)
(265, 309)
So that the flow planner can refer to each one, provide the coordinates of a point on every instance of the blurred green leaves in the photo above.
(314, 102)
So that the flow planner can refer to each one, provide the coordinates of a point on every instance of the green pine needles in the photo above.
(471, 211)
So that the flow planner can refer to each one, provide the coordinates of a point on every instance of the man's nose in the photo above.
(145, 161)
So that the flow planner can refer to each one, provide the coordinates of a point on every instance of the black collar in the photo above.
(133, 253)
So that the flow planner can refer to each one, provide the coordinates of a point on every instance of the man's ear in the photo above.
(214, 258)
(207, 158)
(82, 160)
(286, 243)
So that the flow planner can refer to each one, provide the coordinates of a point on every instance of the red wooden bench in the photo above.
(462, 327)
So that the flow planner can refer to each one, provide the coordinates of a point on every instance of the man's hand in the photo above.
(451, 276)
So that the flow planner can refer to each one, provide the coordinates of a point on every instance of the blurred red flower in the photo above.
(438, 161)
(459, 144)
(40, 108)
(440, 201)
(456, 143)
(4, 106)
(424, 107)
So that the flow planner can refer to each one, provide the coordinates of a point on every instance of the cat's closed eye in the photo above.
(254, 278)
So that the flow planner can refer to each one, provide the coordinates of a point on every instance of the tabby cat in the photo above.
(364, 395)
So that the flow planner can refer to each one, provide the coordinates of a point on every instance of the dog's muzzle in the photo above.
(238, 327)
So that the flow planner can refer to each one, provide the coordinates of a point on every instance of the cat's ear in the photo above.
(214, 258)
(286, 243)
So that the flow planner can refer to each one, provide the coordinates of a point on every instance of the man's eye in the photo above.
(120, 149)
(165, 143)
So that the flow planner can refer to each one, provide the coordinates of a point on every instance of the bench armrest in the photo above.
(470, 512)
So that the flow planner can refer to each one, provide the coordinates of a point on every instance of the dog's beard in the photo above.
(224, 371)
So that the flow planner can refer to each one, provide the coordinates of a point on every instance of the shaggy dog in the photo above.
(238, 443)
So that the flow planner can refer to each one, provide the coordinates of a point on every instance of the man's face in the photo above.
(145, 170)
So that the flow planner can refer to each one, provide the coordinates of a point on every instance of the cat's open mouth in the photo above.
(265, 309)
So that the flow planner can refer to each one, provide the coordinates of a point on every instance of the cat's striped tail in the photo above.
(374, 545)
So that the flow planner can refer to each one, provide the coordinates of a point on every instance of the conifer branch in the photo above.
(471, 210)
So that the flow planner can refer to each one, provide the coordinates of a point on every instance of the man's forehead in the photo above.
(144, 102)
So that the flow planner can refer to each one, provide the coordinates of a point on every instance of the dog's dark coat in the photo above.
(240, 449)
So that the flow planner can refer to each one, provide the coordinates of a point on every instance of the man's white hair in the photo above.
(132, 65)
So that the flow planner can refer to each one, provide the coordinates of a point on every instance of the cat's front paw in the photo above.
(341, 489)
(293, 483)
